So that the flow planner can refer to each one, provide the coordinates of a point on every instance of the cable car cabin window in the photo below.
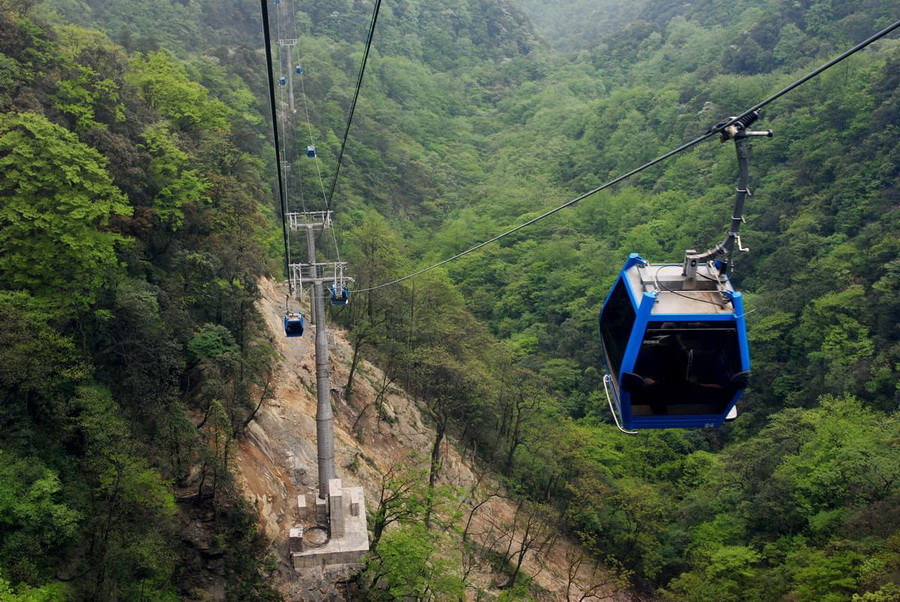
(616, 322)
(687, 368)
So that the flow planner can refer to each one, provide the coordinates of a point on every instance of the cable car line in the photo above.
(337, 251)
(281, 192)
(359, 80)
(287, 131)
(712, 131)
(312, 138)
(293, 321)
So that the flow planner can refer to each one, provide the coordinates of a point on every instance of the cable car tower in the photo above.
(317, 275)
(674, 338)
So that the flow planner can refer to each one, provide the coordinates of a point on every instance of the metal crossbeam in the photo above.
(309, 219)
(327, 273)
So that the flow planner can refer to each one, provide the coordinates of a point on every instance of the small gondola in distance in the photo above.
(293, 325)
(340, 299)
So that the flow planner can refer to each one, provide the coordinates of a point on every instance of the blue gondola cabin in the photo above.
(311, 151)
(676, 348)
(340, 299)
(293, 325)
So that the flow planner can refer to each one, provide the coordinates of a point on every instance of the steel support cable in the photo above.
(359, 80)
(267, 37)
(546, 214)
(287, 129)
(711, 132)
(288, 133)
(312, 141)
(814, 73)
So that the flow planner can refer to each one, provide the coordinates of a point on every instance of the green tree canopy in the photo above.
(56, 201)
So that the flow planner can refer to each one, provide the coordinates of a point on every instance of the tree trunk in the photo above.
(348, 389)
(435, 466)
(514, 439)
(377, 530)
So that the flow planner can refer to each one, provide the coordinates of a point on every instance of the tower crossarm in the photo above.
(309, 219)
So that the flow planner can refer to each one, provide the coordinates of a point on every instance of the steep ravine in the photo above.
(276, 460)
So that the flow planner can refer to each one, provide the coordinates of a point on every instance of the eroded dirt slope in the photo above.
(277, 460)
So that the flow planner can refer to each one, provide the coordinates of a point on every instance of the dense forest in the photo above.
(137, 213)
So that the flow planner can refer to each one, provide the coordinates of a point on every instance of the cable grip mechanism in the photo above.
(736, 129)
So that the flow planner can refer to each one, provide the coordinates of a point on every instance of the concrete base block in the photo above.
(321, 511)
(295, 539)
(336, 509)
(351, 547)
(354, 503)
(302, 508)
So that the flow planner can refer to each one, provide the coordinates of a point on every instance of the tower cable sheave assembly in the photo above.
(744, 118)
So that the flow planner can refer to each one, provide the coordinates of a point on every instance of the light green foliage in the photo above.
(169, 173)
(789, 48)
(729, 575)
(83, 90)
(829, 576)
(52, 592)
(226, 87)
(887, 593)
(411, 563)
(58, 200)
(36, 526)
(805, 473)
(164, 84)
(403, 499)
(849, 460)
(210, 342)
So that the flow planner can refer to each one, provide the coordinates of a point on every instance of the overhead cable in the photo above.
(711, 132)
(359, 80)
(546, 214)
(281, 184)
(312, 141)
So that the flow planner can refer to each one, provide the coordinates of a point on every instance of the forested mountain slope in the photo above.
(468, 123)
(130, 243)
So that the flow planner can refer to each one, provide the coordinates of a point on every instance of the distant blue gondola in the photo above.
(342, 299)
(298, 70)
(293, 325)
(311, 151)
(676, 351)
(282, 81)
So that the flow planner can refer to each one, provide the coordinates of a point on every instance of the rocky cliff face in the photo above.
(276, 461)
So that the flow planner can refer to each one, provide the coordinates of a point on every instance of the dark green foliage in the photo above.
(129, 219)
